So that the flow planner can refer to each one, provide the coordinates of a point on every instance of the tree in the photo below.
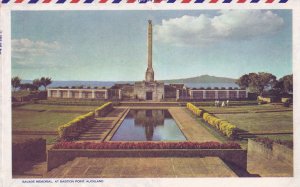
(37, 83)
(243, 81)
(285, 84)
(45, 81)
(15, 82)
(28, 86)
(257, 82)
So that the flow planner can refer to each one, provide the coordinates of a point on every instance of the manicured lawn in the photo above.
(57, 107)
(40, 121)
(249, 108)
(261, 122)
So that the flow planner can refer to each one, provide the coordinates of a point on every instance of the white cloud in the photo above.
(25, 52)
(34, 48)
(227, 25)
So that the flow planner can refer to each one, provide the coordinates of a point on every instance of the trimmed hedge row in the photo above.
(71, 129)
(194, 109)
(212, 103)
(104, 109)
(78, 102)
(146, 145)
(223, 126)
(31, 150)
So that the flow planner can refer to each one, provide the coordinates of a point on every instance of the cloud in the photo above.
(34, 48)
(25, 53)
(227, 25)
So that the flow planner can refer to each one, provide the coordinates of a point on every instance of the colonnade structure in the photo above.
(78, 93)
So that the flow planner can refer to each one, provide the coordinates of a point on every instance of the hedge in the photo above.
(225, 127)
(194, 109)
(146, 145)
(71, 129)
(103, 109)
(76, 125)
(27, 150)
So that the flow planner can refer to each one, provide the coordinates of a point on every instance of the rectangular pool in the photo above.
(148, 125)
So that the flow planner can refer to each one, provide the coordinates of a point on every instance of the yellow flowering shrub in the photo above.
(223, 126)
(194, 109)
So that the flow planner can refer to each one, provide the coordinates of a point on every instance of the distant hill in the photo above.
(202, 79)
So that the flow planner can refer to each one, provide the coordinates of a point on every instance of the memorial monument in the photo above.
(149, 89)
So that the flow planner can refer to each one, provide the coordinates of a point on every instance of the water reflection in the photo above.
(149, 125)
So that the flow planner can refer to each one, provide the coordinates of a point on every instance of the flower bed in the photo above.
(146, 145)
(194, 109)
(223, 126)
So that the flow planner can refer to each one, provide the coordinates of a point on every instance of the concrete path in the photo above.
(192, 130)
(150, 167)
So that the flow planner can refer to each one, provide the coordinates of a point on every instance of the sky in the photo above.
(112, 45)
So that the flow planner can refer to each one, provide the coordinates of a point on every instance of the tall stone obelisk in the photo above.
(149, 73)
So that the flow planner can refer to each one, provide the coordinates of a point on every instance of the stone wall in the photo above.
(233, 156)
(278, 152)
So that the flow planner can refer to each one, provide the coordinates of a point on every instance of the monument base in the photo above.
(149, 91)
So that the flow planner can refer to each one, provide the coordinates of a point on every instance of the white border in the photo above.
(5, 167)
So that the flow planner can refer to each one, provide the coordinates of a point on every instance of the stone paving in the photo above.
(149, 167)
(190, 127)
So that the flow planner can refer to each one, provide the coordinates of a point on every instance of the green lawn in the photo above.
(57, 107)
(249, 108)
(261, 122)
(40, 121)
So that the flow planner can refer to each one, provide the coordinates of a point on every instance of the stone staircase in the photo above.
(98, 130)
(100, 127)
(62, 170)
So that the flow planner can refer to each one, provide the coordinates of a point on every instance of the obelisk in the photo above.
(149, 73)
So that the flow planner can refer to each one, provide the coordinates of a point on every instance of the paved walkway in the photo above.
(150, 167)
(190, 127)
(101, 127)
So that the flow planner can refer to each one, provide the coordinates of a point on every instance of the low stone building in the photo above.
(70, 93)
(208, 94)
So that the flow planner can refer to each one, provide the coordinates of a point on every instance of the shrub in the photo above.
(269, 142)
(194, 109)
(103, 109)
(146, 145)
(76, 125)
(28, 150)
(265, 141)
(223, 126)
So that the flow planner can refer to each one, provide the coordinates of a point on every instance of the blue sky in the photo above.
(111, 45)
